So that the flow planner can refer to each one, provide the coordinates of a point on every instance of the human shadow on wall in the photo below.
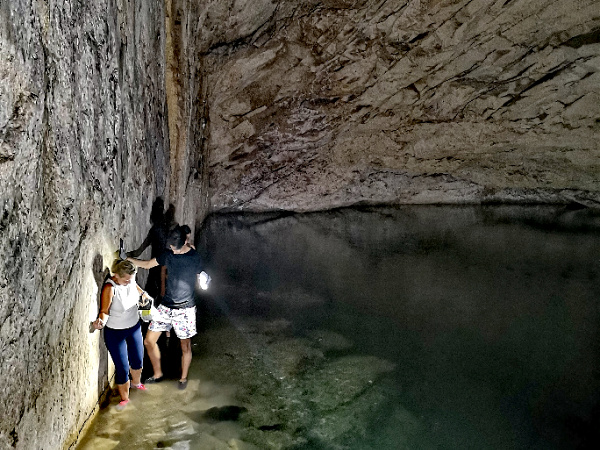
(100, 273)
(156, 239)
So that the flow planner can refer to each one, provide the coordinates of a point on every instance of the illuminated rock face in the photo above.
(318, 104)
(298, 105)
(82, 156)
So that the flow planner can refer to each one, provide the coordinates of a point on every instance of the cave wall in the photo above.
(256, 105)
(187, 106)
(83, 153)
(323, 103)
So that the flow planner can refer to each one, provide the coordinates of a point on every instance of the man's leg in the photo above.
(184, 325)
(186, 357)
(153, 351)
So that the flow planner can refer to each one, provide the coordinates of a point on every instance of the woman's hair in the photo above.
(186, 229)
(122, 267)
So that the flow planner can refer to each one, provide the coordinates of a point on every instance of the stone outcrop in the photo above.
(318, 104)
(296, 394)
(83, 153)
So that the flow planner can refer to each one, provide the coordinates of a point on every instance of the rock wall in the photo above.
(83, 153)
(323, 103)
(256, 105)
(187, 107)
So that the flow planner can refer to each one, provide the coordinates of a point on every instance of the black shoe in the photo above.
(182, 385)
(153, 379)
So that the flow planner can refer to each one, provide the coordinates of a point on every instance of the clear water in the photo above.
(489, 316)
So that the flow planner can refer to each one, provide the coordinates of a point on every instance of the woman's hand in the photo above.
(98, 324)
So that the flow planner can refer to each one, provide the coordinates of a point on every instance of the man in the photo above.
(178, 309)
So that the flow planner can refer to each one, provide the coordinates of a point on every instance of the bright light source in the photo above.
(204, 280)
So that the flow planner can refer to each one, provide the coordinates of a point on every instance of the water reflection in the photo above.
(416, 327)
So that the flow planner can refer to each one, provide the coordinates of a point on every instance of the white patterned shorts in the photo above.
(183, 321)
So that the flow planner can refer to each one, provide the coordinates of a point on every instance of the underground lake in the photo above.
(415, 327)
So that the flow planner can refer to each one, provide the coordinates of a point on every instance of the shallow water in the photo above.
(475, 328)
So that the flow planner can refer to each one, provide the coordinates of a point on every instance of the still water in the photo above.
(400, 328)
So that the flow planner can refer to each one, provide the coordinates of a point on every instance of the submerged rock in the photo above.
(295, 397)
(223, 413)
(343, 380)
(328, 340)
(350, 426)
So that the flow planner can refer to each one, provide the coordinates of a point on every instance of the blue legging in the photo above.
(126, 349)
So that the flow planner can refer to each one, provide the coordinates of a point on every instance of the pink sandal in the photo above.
(122, 404)
(140, 386)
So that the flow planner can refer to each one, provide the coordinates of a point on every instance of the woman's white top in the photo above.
(123, 312)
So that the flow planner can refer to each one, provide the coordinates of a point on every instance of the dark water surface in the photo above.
(384, 328)
(490, 314)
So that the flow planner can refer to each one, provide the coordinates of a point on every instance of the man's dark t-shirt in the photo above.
(182, 271)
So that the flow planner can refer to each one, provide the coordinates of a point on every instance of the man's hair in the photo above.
(176, 238)
(123, 267)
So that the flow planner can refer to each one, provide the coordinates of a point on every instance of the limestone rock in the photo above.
(292, 395)
(329, 340)
(83, 152)
(340, 381)
(320, 104)
(103, 443)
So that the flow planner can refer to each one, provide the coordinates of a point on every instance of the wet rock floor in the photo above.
(255, 383)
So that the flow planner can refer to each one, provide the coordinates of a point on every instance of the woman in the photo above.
(122, 332)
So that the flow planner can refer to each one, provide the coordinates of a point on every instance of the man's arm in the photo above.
(144, 264)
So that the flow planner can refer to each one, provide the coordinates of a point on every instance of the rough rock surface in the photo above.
(83, 151)
(292, 401)
(298, 105)
(185, 89)
(318, 104)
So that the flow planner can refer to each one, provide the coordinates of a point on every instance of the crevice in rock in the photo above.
(593, 37)
(545, 78)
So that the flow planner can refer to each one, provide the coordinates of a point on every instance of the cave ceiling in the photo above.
(320, 104)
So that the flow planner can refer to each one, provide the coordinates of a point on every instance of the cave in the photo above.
(449, 147)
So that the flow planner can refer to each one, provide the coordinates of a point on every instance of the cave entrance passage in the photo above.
(384, 328)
